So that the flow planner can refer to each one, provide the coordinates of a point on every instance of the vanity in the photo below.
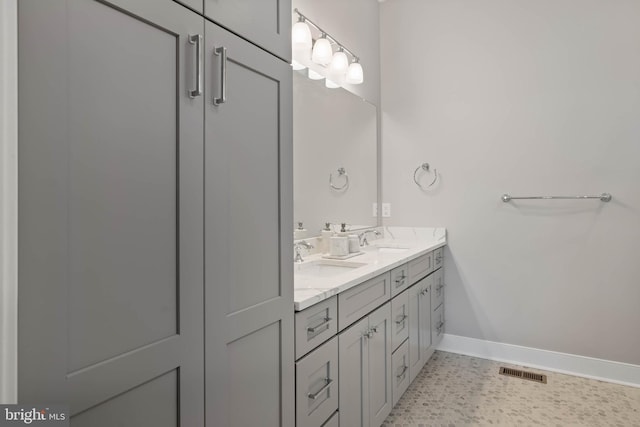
(365, 327)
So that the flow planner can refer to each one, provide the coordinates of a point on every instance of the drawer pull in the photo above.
(424, 291)
(404, 371)
(400, 280)
(440, 327)
(324, 324)
(327, 383)
(402, 319)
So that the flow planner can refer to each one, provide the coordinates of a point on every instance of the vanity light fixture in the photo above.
(341, 66)
(354, 73)
(301, 36)
(322, 51)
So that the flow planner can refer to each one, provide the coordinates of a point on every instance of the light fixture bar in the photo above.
(327, 35)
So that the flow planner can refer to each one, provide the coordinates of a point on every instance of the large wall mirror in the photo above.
(332, 129)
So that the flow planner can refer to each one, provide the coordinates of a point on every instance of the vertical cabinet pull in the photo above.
(222, 53)
(401, 319)
(404, 371)
(196, 40)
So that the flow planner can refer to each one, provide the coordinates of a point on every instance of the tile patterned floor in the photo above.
(457, 390)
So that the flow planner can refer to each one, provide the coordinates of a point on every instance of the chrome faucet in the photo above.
(363, 236)
(297, 248)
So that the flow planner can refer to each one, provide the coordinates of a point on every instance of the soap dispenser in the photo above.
(300, 232)
(325, 235)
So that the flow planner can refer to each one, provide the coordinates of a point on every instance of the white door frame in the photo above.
(8, 201)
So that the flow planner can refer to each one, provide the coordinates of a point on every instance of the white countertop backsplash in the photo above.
(311, 290)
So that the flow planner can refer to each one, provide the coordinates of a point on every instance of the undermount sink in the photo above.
(326, 268)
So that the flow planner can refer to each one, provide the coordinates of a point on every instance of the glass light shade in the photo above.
(322, 52)
(297, 66)
(355, 75)
(339, 63)
(314, 75)
(300, 36)
(331, 84)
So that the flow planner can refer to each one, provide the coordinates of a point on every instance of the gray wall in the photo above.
(355, 24)
(527, 97)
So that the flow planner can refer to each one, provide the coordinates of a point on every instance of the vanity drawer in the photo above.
(400, 371)
(317, 385)
(438, 258)
(400, 319)
(360, 300)
(420, 267)
(315, 325)
(399, 279)
(437, 298)
(437, 323)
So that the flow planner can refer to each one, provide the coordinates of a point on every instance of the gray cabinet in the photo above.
(358, 301)
(365, 370)
(315, 325)
(249, 328)
(400, 279)
(420, 267)
(400, 371)
(400, 317)
(266, 23)
(111, 211)
(419, 325)
(152, 238)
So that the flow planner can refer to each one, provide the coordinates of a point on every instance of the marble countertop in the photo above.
(309, 290)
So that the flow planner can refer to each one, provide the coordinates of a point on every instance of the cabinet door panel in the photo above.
(420, 267)
(111, 209)
(380, 383)
(353, 359)
(419, 325)
(400, 371)
(248, 209)
(400, 319)
(266, 23)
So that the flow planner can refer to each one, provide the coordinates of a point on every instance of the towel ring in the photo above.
(341, 172)
(425, 167)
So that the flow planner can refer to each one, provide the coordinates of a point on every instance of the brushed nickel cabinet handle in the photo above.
(196, 40)
(402, 319)
(324, 324)
(327, 383)
(404, 371)
(222, 53)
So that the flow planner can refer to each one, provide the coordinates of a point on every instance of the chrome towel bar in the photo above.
(605, 197)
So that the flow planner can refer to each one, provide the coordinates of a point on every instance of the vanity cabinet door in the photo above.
(266, 23)
(365, 370)
(420, 267)
(110, 198)
(438, 258)
(399, 279)
(353, 357)
(356, 302)
(438, 289)
(419, 325)
(249, 320)
(437, 323)
(317, 385)
(315, 325)
(400, 319)
(380, 384)
(400, 371)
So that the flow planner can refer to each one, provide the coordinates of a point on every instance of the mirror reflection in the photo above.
(335, 156)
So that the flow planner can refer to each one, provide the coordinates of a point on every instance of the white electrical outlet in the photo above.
(375, 210)
(386, 210)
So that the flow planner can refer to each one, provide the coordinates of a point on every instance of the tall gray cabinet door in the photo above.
(111, 223)
(380, 348)
(353, 362)
(266, 23)
(249, 347)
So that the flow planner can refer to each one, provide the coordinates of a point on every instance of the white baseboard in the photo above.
(571, 364)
